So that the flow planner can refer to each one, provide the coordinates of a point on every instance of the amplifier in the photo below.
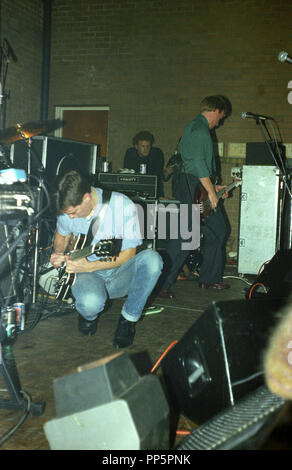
(258, 153)
(129, 184)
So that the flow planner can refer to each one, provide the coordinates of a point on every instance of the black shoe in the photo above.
(125, 333)
(87, 327)
(215, 285)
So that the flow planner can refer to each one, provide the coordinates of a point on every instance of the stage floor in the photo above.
(54, 348)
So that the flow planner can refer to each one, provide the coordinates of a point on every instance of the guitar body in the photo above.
(66, 280)
(201, 197)
(107, 249)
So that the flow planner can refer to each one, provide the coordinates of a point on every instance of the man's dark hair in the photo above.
(143, 135)
(70, 190)
(228, 105)
(211, 103)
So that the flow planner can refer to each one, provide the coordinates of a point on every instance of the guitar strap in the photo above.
(106, 196)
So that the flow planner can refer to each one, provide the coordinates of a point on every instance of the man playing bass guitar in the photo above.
(198, 167)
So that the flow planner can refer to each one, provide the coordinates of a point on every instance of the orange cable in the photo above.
(162, 355)
(183, 433)
(259, 271)
(250, 292)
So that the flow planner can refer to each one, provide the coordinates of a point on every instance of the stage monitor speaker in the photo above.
(107, 405)
(244, 426)
(258, 153)
(276, 276)
(218, 360)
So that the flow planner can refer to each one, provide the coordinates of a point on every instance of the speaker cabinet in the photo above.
(276, 276)
(107, 405)
(259, 217)
(258, 153)
(55, 155)
(158, 220)
(218, 360)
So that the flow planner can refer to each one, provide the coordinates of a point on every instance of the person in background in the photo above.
(144, 152)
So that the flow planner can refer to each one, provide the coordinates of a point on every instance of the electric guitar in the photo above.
(201, 197)
(105, 249)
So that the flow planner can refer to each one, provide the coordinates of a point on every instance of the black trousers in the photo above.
(214, 236)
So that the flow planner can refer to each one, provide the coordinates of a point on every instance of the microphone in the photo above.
(283, 57)
(255, 116)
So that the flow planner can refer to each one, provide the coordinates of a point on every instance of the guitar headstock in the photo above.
(108, 248)
(236, 174)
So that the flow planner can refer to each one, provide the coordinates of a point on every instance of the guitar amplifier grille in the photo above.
(129, 183)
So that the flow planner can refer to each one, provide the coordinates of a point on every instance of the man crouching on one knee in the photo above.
(96, 279)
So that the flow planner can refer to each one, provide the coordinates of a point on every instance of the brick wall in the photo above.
(21, 25)
(151, 62)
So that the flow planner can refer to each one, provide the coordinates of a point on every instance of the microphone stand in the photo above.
(4, 61)
(38, 210)
(284, 177)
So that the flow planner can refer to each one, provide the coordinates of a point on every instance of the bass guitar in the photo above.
(201, 197)
(106, 250)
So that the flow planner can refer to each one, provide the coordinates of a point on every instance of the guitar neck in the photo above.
(229, 188)
(88, 250)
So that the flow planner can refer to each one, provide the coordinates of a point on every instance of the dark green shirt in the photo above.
(196, 148)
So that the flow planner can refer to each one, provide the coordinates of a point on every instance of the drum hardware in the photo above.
(6, 244)
(15, 201)
(11, 202)
(15, 198)
(12, 175)
(25, 132)
(28, 130)
(12, 242)
(8, 367)
(12, 322)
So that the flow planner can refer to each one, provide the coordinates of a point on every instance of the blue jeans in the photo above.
(136, 279)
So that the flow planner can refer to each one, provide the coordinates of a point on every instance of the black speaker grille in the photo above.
(237, 424)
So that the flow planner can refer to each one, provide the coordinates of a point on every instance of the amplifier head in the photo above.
(129, 183)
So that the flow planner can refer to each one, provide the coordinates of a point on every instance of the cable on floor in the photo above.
(255, 285)
(12, 431)
(162, 356)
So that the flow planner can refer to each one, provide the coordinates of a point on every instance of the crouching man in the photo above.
(99, 215)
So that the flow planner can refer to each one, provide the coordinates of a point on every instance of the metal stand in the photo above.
(10, 376)
(38, 210)
(36, 245)
(283, 171)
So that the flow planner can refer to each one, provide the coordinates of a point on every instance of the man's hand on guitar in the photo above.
(81, 265)
(219, 187)
(57, 259)
(213, 200)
